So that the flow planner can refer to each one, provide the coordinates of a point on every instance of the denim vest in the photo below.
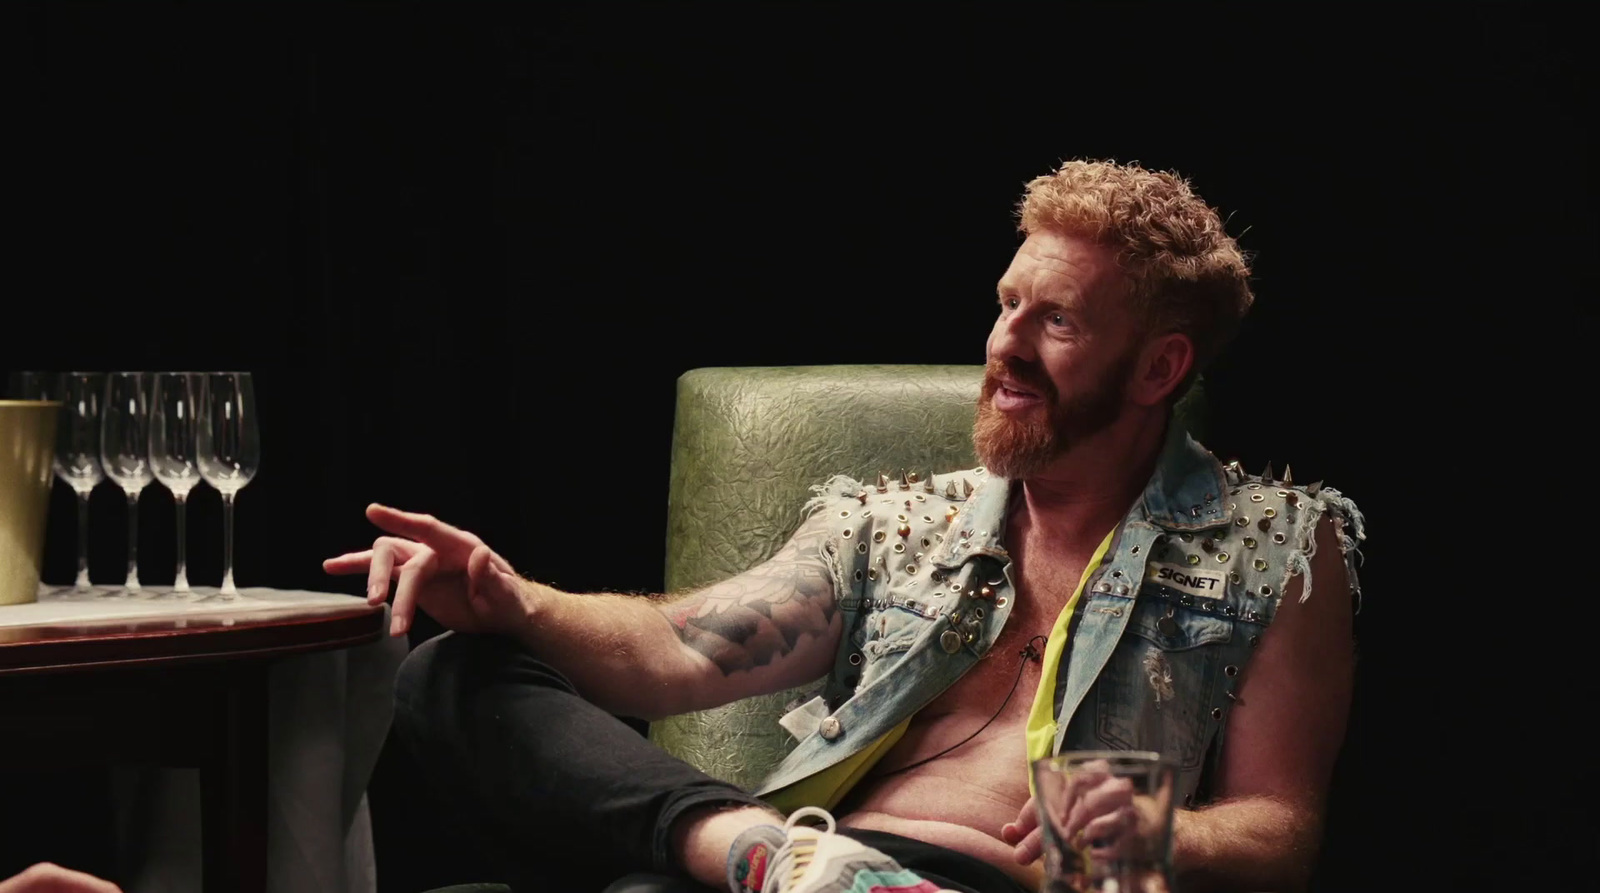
(1160, 639)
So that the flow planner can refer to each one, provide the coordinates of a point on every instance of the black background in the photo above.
(467, 250)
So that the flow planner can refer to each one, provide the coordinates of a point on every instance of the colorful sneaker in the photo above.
(816, 860)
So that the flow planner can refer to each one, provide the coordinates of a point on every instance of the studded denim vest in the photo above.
(1161, 636)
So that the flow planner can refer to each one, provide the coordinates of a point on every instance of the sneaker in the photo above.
(816, 860)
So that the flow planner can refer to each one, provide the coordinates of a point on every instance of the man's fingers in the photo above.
(386, 552)
(423, 528)
(348, 563)
(1031, 847)
(1107, 829)
(1105, 798)
(413, 576)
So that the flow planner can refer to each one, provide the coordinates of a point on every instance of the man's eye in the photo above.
(1057, 319)
(1009, 303)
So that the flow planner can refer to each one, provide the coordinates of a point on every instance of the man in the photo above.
(1173, 596)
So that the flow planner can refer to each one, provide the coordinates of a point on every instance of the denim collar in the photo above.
(1186, 492)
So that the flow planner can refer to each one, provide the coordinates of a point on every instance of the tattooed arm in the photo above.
(772, 627)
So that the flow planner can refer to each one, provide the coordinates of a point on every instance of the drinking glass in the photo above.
(174, 442)
(230, 449)
(125, 451)
(1107, 821)
(77, 459)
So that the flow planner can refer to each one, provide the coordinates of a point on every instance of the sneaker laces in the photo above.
(800, 847)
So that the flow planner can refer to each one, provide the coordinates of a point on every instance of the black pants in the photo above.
(568, 797)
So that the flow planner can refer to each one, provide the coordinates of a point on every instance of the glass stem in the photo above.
(82, 585)
(227, 545)
(181, 582)
(132, 585)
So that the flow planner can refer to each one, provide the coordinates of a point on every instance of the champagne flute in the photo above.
(125, 451)
(77, 459)
(230, 449)
(174, 439)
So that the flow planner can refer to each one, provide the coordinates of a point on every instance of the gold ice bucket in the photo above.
(27, 444)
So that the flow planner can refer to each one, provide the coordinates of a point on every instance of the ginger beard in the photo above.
(1020, 445)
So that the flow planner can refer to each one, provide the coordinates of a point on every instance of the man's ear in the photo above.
(1164, 362)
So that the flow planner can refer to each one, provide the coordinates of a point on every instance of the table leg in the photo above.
(233, 787)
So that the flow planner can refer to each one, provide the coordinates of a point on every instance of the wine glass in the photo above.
(125, 451)
(230, 449)
(77, 459)
(174, 440)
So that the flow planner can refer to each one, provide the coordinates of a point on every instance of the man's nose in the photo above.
(1011, 339)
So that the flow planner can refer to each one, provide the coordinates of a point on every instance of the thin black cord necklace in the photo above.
(1027, 653)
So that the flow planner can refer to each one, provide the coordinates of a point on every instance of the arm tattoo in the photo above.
(759, 616)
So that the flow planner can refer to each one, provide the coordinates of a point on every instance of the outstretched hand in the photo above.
(445, 571)
(46, 877)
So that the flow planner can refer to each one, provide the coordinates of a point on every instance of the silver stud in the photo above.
(862, 496)
(1288, 476)
(830, 728)
(1314, 488)
(1102, 586)
(904, 484)
(1122, 589)
(966, 488)
(950, 491)
(883, 482)
(927, 483)
(911, 476)
(1266, 475)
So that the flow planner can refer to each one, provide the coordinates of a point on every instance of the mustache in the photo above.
(1028, 375)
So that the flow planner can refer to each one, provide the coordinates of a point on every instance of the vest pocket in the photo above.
(1156, 690)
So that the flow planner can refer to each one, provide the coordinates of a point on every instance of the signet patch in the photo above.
(1191, 580)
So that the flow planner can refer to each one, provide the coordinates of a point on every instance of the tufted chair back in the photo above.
(748, 444)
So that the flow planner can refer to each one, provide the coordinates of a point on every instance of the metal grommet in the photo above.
(977, 613)
(911, 568)
(927, 519)
(879, 537)
(1256, 497)
(1134, 551)
(1265, 589)
(1284, 493)
(1001, 602)
(1242, 521)
(927, 543)
(1194, 559)
(899, 548)
(1222, 556)
(1216, 712)
(1116, 573)
(1231, 670)
(1270, 512)
(844, 513)
(901, 517)
(1278, 537)
(855, 659)
(1249, 542)
(1186, 537)
(847, 533)
(858, 574)
(867, 513)
(861, 548)
(1260, 564)
(1254, 641)
(872, 573)
(955, 587)
(1233, 577)
(1253, 617)
(1255, 486)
